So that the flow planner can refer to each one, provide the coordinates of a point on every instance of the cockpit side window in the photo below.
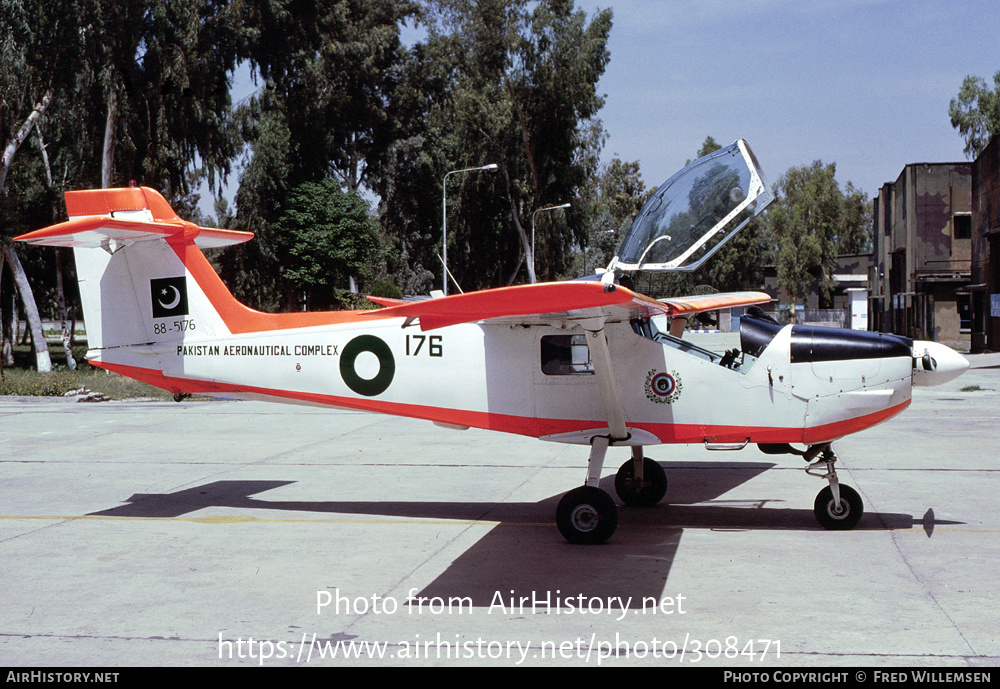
(645, 327)
(566, 355)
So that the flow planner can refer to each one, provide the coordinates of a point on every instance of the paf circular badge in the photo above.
(663, 387)
(369, 387)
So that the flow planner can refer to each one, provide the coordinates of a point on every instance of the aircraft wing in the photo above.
(711, 302)
(556, 302)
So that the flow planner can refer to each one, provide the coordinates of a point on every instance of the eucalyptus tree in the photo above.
(506, 82)
(332, 65)
(164, 68)
(811, 222)
(115, 91)
(326, 70)
(37, 50)
(975, 113)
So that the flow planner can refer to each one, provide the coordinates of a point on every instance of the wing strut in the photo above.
(604, 370)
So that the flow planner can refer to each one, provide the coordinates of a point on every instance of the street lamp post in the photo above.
(532, 261)
(492, 167)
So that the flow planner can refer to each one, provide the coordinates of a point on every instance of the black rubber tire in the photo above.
(587, 516)
(852, 509)
(652, 490)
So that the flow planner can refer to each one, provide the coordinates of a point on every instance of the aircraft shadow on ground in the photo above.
(524, 552)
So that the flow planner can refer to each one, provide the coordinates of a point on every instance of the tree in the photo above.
(332, 65)
(163, 69)
(975, 113)
(610, 203)
(506, 82)
(710, 145)
(32, 70)
(251, 270)
(323, 239)
(325, 110)
(812, 222)
(136, 90)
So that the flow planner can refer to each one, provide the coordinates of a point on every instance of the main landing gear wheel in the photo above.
(645, 492)
(840, 517)
(587, 516)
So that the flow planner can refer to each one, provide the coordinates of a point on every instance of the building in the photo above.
(985, 288)
(847, 306)
(922, 259)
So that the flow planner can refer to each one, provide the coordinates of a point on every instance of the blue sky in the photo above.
(862, 83)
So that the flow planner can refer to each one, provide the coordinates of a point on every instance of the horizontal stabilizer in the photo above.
(112, 218)
(385, 301)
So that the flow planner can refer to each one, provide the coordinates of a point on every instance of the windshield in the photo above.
(695, 212)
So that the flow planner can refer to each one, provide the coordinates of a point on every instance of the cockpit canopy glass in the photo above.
(695, 212)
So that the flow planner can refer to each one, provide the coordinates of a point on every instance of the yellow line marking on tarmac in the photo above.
(242, 519)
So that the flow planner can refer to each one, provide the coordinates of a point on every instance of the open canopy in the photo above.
(695, 212)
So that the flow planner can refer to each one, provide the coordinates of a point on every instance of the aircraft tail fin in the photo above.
(143, 278)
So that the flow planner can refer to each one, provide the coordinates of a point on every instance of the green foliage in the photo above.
(252, 270)
(29, 383)
(385, 288)
(322, 239)
(147, 81)
(330, 66)
(975, 113)
(497, 81)
(810, 223)
(157, 72)
(169, 62)
(610, 203)
(135, 90)
(326, 109)
(710, 145)
(40, 52)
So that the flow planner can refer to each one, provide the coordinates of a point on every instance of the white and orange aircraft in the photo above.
(573, 362)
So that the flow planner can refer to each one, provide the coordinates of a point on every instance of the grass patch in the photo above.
(970, 388)
(23, 380)
(30, 383)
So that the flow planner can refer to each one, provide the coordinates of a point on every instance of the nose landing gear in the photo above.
(837, 507)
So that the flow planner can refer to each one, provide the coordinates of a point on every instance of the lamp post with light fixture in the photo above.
(531, 263)
(492, 167)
